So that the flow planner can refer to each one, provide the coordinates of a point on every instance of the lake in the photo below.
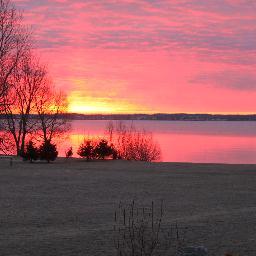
(184, 141)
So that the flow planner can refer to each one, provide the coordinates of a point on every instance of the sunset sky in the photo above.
(134, 56)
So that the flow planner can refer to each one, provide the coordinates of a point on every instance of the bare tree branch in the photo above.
(20, 100)
(14, 43)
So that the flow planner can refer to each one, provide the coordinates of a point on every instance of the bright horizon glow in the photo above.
(166, 56)
(90, 105)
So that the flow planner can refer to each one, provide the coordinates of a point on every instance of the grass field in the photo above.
(67, 208)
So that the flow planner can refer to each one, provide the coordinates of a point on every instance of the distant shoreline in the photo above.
(156, 117)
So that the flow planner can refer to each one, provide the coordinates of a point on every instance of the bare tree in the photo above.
(51, 107)
(20, 100)
(14, 43)
(24, 86)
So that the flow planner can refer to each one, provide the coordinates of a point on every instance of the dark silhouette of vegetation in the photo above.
(69, 152)
(103, 149)
(126, 143)
(27, 96)
(110, 127)
(14, 43)
(7, 146)
(133, 144)
(48, 151)
(19, 102)
(14, 47)
(25, 88)
(50, 105)
(97, 149)
(31, 152)
(141, 231)
(86, 149)
(114, 152)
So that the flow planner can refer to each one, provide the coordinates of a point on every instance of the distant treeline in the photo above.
(167, 117)
(160, 117)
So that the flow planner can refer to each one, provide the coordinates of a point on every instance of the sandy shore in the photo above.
(67, 208)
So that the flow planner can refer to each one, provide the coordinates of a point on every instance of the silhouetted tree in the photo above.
(48, 151)
(25, 87)
(87, 150)
(69, 152)
(14, 43)
(31, 152)
(50, 107)
(20, 101)
(103, 149)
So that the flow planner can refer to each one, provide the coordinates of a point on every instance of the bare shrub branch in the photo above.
(133, 144)
(140, 231)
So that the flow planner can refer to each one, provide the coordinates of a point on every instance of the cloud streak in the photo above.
(228, 79)
(194, 41)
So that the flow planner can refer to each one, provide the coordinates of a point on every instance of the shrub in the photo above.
(69, 152)
(134, 144)
(114, 152)
(141, 231)
(48, 151)
(31, 152)
(103, 149)
(87, 150)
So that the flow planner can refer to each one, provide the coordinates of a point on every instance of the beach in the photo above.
(67, 207)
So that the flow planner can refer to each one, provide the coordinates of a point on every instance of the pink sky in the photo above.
(149, 55)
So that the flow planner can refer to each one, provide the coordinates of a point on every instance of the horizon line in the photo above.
(161, 113)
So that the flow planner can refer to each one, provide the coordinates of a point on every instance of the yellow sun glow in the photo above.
(92, 105)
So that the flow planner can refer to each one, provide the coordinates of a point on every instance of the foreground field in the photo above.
(67, 208)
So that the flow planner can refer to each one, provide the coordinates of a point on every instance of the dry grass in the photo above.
(67, 207)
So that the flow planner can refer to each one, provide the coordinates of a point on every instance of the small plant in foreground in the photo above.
(69, 152)
(48, 151)
(31, 152)
(140, 231)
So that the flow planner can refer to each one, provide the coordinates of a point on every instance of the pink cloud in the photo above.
(165, 56)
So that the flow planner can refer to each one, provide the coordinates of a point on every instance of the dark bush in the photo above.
(103, 149)
(69, 152)
(48, 151)
(87, 150)
(31, 152)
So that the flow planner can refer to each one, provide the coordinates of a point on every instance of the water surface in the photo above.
(185, 141)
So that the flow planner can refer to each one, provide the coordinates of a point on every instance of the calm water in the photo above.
(205, 142)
